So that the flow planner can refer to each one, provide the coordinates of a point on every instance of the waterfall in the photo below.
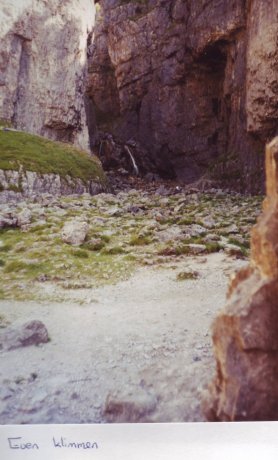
(135, 167)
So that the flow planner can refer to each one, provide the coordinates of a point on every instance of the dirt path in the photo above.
(139, 350)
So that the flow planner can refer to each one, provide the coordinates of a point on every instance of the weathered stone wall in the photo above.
(19, 185)
(43, 63)
(193, 82)
(245, 334)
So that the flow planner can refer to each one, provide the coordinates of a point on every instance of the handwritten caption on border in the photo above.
(19, 443)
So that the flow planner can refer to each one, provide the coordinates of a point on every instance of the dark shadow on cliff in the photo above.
(175, 79)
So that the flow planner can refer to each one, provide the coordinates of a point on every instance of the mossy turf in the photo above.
(35, 153)
(35, 263)
(48, 258)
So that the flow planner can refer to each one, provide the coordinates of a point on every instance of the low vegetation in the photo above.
(187, 275)
(36, 264)
(20, 150)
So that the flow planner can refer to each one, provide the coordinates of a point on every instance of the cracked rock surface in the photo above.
(43, 67)
(195, 83)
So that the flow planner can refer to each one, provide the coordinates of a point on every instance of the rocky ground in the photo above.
(127, 285)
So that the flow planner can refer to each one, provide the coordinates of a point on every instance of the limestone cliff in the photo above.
(245, 333)
(195, 83)
(43, 62)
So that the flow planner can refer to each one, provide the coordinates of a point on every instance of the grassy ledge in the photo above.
(37, 154)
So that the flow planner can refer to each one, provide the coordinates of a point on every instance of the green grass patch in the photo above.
(18, 265)
(193, 240)
(130, 258)
(139, 240)
(186, 221)
(35, 153)
(39, 228)
(174, 251)
(243, 245)
(5, 248)
(187, 275)
(5, 123)
(15, 188)
(80, 253)
(94, 245)
(113, 250)
(213, 247)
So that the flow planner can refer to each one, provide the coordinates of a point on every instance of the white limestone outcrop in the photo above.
(43, 63)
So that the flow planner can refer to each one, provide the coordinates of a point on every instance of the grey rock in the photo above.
(31, 333)
(162, 190)
(74, 232)
(173, 233)
(8, 220)
(232, 229)
(32, 184)
(208, 222)
(196, 230)
(114, 212)
(211, 237)
(24, 217)
(197, 248)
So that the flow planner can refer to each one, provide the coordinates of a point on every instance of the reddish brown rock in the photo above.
(245, 334)
(193, 82)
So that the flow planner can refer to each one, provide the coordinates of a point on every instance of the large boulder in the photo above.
(74, 232)
(245, 334)
(31, 333)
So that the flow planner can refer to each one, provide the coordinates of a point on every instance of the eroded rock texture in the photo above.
(245, 333)
(195, 83)
(43, 62)
(18, 185)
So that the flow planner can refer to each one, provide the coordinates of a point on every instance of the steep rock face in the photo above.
(245, 333)
(193, 82)
(262, 64)
(43, 60)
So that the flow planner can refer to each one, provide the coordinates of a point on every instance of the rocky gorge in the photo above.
(194, 83)
(128, 268)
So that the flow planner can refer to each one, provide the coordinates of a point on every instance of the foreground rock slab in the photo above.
(245, 334)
